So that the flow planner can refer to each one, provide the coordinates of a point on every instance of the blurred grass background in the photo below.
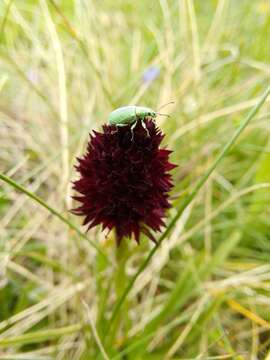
(64, 65)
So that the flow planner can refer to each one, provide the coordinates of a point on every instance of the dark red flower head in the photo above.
(124, 181)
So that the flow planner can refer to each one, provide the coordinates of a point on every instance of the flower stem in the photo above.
(121, 282)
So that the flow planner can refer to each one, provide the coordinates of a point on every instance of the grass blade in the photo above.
(40, 336)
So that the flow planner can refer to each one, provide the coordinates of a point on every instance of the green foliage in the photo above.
(204, 292)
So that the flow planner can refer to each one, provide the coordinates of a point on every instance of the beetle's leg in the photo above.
(145, 128)
(132, 128)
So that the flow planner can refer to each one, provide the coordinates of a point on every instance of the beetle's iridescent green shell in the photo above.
(129, 114)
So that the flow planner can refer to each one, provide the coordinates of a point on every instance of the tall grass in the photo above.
(203, 292)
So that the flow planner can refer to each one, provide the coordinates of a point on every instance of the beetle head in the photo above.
(152, 114)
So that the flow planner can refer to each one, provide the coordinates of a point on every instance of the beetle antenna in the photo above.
(163, 114)
(168, 103)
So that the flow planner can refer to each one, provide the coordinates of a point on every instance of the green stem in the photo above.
(121, 281)
(121, 257)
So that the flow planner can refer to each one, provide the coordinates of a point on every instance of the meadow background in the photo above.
(64, 65)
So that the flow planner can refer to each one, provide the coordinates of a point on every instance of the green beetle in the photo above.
(129, 115)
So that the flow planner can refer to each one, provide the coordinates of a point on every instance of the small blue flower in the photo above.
(33, 76)
(151, 74)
